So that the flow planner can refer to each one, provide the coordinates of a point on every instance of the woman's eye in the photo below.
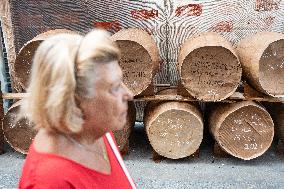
(115, 88)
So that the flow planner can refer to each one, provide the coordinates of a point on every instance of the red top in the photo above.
(43, 170)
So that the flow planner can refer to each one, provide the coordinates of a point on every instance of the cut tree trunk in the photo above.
(262, 57)
(139, 58)
(23, 63)
(18, 133)
(174, 129)
(209, 67)
(243, 129)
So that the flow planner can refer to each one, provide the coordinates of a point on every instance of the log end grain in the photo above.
(19, 134)
(246, 133)
(139, 58)
(174, 132)
(261, 56)
(23, 62)
(144, 39)
(136, 64)
(211, 73)
(271, 69)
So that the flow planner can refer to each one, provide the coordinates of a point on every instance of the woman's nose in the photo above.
(128, 94)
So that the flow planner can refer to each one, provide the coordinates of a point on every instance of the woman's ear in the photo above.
(80, 103)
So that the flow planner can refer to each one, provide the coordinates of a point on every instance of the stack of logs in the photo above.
(210, 71)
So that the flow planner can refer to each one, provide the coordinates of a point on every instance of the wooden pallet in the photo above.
(249, 93)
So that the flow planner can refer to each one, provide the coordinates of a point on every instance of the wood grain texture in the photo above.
(24, 59)
(209, 67)
(262, 58)
(139, 58)
(174, 129)
(6, 24)
(244, 129)
(18, 133)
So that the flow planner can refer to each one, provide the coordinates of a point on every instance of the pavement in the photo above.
(205, 171)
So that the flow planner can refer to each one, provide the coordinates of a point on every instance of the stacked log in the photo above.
(18, 133)
(139, 58)
(122, 136)
(261, 56)
(243, 129)
(209, 67)
(174, 129)
(24, 59)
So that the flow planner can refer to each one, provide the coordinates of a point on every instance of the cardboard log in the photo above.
(209, 67)
(19, 134)
(139, 58)
(261, 56)
(243, 129)
(174, 129)
(23, 63)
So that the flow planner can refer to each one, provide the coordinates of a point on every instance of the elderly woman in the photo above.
(76, 98)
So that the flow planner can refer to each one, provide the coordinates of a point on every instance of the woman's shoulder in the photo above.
(44, 166)
(48, 170)
(54, 164)
(46, 182)
(50, 164)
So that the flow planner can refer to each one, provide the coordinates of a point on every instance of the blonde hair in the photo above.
(65, 66)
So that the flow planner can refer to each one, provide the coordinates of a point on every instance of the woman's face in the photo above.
(107, 111)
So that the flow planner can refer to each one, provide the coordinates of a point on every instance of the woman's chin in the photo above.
(120, 125)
